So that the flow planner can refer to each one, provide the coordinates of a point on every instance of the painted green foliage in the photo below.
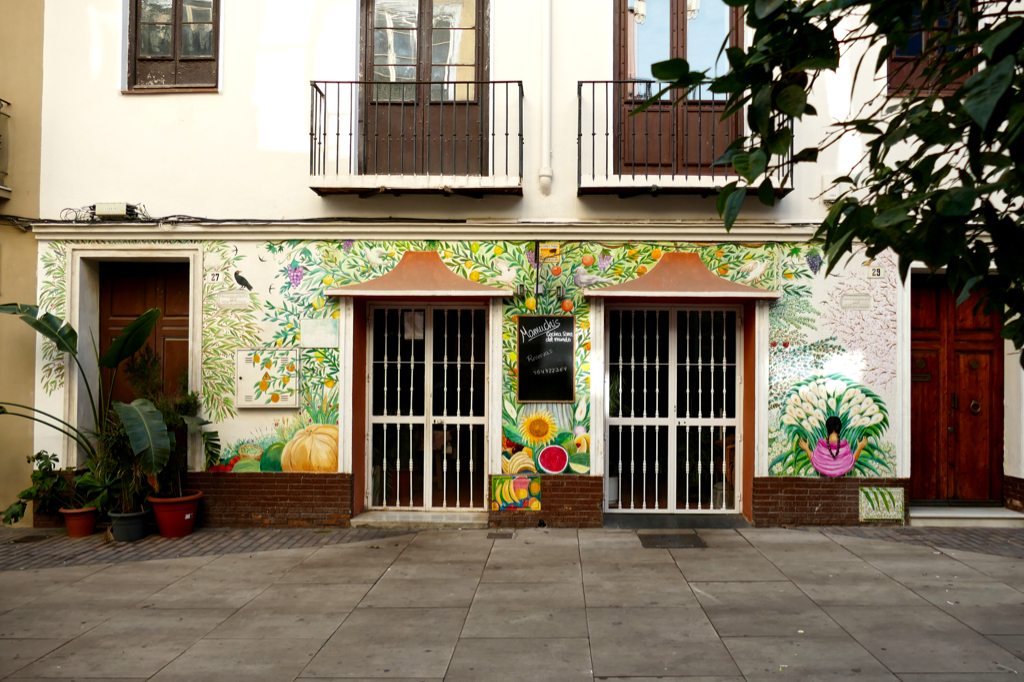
(225, 330)
(53, 292)
(881, 504)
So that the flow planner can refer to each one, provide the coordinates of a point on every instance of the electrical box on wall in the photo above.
(111, 210)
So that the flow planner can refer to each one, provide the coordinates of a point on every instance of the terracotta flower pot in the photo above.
(176, 516)
(80, 522)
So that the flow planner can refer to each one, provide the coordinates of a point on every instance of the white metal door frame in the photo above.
(427, 420)
(673, 421)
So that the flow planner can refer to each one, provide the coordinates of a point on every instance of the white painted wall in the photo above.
(243, 152)
(1013, 424)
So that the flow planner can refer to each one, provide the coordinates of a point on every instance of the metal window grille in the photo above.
(427, 422)
(673, 381)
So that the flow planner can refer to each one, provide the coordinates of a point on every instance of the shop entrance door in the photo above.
(427, 419)
(674, 375)
(957, 397)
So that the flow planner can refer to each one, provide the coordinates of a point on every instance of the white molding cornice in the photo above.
(687, 231)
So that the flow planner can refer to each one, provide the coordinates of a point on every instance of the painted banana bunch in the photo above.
(518, 462)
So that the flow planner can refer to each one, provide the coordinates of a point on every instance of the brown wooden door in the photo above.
(129, 289)
(426, 110)
(956, 397)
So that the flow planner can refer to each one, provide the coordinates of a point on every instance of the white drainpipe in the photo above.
(546, 174)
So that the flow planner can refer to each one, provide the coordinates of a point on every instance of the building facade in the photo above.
(418, 256)
(21, 84)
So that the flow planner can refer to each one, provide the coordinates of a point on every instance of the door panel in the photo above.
(956, 395)
(972, 427)
(928, 449)
(129, 289)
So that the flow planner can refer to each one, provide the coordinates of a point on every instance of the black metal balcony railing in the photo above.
(417, 128)
(670, 147)
(4, 142)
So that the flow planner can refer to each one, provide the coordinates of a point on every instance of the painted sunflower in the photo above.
(537, 428)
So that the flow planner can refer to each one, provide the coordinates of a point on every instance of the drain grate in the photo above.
(500, 535)
(671, 540)
(26, 539)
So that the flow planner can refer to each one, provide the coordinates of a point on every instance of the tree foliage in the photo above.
(940, 181)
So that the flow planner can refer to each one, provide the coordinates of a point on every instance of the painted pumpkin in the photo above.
(314, 448)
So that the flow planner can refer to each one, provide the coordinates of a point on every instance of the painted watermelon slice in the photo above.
(553, 459)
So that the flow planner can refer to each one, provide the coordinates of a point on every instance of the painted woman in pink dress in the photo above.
(833, 457)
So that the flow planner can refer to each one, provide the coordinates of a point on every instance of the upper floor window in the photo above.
(173, 44)
(436, 41)
(906, 66)
(651, 31)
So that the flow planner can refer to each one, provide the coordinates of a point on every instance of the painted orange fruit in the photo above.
(264, 385)
(656, 254)
(567, 305)
(587, 260)
(642, 270)
(724, 270)
(474, 276)
(556, 271)
(275, 397)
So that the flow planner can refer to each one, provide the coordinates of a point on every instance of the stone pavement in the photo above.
(22, 548)
(544, 605)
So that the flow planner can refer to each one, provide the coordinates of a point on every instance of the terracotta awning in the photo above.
(420, 273)
(681, 275)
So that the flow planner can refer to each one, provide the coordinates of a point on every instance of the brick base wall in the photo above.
(794, 501)
(273, 500)
(567, 501)
(1013, 493)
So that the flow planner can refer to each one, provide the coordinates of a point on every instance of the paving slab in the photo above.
(136, 643)
(245, 660)
(729, 563)
(990, 608)
(15, 654)
(298, 611)
(396, 592)
(539, 660)
(855, 583)
(805, 657)
(391, 643)
(922, 639)
(557, 563)
(628, 591)
(1012, 643)
(656, 642)
(508, 610)
(781, 610)
(28, 622)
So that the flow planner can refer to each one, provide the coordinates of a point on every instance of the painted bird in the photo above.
(508, 273)
(242, 281)
(376, 255)
(754, 270)
(585, 279)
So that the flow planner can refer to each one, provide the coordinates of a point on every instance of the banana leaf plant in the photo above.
(150, 438)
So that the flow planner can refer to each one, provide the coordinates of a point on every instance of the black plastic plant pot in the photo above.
(128, 527)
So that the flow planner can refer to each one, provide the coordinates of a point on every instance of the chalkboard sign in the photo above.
(547, 354)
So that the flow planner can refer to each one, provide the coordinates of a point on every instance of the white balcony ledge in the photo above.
(372, 185)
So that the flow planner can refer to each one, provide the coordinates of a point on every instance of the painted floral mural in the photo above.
(257, 296)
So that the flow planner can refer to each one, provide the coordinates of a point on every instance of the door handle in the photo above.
(956, 402)
(975, 407)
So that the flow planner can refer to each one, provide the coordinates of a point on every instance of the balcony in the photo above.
(5, 154)
(369, 138)
(667, 149)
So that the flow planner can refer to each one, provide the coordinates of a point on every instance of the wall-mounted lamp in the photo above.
(559, 292)
(520, 290)
(640, 11)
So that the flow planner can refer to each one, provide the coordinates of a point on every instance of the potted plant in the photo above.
(129, 443)
(174, 506)
(51, 493)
